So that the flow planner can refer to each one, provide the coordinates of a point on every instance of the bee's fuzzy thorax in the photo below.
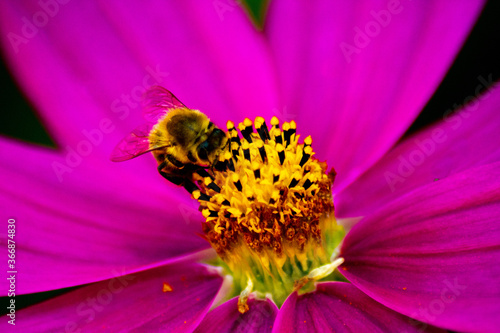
(180, 131)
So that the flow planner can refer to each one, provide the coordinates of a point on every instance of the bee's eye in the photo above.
(203, 150)
(217, 136)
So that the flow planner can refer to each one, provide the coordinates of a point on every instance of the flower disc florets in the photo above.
(269, 209)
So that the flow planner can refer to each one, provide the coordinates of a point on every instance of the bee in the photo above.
(183, 141)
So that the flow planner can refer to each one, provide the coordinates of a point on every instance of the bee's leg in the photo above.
(174, 161)
(181, 181)
(177, 180)
(203, 173)
(161, 166)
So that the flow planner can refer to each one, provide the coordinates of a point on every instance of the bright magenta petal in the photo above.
(133, 302)
(433, 254)
(226, 318)
(340, 307)
(356, 73)
(92, 68)
(461, 141)
(91, 225)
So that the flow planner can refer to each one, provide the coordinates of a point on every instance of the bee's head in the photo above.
(208, 150)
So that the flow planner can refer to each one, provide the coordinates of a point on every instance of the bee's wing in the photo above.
(134, 144)
(157, 102)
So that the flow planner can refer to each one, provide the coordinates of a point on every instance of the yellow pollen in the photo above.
(275, 121)
(167, 287)
(255, 165)
(196, 194)
(205, 213)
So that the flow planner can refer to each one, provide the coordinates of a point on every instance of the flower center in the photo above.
(269, 211)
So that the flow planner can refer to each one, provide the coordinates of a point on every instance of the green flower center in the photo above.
(269, 211)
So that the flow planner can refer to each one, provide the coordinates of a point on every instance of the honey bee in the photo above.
(183, 141)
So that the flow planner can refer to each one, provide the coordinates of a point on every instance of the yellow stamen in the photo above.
(242, 301)
(269, 213)
(318, 273)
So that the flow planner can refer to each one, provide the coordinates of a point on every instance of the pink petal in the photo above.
(93, 224)
(92, 68)
(461, 141)
(358, 105)
(134, 302)
(226, 317)
(433, 254)
(340, 307)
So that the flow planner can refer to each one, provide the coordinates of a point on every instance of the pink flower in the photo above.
(354, 75)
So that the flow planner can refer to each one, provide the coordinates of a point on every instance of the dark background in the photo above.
(480, 56)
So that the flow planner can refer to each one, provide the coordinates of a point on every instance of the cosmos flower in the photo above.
(423, 240)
